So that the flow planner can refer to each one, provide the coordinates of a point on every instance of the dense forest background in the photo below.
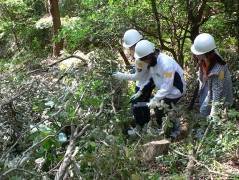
(63, 116)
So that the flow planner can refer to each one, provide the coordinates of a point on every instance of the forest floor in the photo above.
(37, 96)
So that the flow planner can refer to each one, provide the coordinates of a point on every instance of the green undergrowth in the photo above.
(89, 95)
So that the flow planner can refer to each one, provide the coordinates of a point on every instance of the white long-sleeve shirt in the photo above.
(163, 76)
(141, 76)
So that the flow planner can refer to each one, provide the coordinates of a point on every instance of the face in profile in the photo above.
(131, 50)
(147, 60)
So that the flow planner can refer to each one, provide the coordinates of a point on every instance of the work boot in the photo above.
(134, 131)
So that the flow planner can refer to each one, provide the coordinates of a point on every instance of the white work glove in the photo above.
(136, 95)
(153, 103)
(119, 75)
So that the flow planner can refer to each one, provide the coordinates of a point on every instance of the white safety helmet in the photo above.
(203, 43)
(143, 48)
(131, 37)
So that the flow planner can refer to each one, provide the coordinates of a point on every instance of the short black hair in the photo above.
(150, 56)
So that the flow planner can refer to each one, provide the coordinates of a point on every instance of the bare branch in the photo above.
(199, 163)
(204, 136)
(31, 148)
(45, 69)
(71, 56)
(156, 15)
(68, 157)
(3, 176)
(101, 109)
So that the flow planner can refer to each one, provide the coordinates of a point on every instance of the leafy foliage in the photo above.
(50, 101)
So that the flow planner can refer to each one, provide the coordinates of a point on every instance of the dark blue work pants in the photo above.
(140, 110)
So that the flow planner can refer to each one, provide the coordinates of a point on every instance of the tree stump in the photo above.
(154, 149)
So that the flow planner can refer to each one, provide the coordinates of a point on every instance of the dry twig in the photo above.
(200, 163)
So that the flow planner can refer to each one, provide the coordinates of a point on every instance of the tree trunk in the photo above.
(157, 19)
(197, 15)
(55, 13)
(126, 61)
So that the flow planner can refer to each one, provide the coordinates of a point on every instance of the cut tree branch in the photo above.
(71, 56)
(199, 163)
(45, 69)
(68, 157)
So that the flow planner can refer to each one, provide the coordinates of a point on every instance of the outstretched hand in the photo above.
(118, 75)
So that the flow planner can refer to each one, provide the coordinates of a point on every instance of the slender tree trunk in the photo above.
(126, 61)
(197, 15)
(55, 13)
(157, 19)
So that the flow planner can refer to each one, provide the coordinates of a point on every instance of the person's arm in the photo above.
(167, 84)
(140, 73)
(124, 76)
(217, 92)
(164, 90)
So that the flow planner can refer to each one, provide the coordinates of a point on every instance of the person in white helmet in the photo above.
(168, 78)
(144, 84)
(215, 85)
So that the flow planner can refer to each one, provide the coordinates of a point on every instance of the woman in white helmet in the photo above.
(214, 76)
(144, 84)
(168, 78)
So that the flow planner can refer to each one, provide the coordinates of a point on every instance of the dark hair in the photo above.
(153, 59)
(214, 58)
(150, 56)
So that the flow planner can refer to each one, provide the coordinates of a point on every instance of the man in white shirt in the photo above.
(167, 76)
